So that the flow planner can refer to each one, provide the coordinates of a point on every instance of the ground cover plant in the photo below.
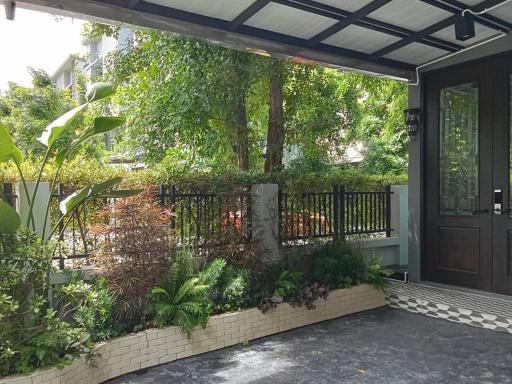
(32, 334)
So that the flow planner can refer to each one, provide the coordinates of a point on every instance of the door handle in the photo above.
(485, 210)
(498, 201)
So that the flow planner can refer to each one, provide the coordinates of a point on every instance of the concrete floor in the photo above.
(380, 346)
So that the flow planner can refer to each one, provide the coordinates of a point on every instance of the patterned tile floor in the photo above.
(479, 310)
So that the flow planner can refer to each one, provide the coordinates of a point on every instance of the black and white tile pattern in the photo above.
(489, 312)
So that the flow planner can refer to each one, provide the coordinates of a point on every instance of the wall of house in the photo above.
(415, 183)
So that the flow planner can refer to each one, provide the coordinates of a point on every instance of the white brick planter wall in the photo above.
(157, 346)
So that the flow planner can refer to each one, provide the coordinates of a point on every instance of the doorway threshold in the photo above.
(475, 308)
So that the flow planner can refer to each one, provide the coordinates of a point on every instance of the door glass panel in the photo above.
(458, 150)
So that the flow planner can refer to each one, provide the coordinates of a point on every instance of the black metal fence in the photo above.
(334, 214)
(205, 219)
(199, 220)
(208, 219)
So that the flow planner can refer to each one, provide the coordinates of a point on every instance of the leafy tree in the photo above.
(381, 128)
(26, 111)
(186, 98)
(213, 108)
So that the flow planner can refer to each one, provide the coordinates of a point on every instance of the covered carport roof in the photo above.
(387, 37)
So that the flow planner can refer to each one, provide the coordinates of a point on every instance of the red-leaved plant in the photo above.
(134, 251)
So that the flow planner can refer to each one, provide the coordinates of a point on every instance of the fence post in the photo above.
(173, 207)
(388, 211)
(338, 193)
(265, 219)
(280, 214)
(60, 197)
(341, 225)
(39, 210)
(336, 211)
(399, 221)
(161, 195)
(9, 194)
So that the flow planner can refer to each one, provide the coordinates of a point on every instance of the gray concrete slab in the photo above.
(380, 346)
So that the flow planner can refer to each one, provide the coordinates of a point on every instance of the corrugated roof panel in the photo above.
(481, 33)
(416, 53)
(290, 21)
(412, 14)
(346, 5)
(220, 9)
(360, 39)
(504, 12)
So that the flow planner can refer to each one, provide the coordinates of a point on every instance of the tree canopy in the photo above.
(192, 104)
(26, 111)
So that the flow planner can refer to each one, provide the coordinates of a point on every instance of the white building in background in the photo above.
(64, 76)
(91, 62)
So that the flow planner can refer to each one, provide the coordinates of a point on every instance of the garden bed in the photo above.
(158, 346)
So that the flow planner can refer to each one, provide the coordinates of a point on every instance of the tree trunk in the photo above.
(241, 146)
(275, 134)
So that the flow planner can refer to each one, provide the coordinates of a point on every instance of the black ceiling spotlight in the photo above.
(464, 26)
(10, 9)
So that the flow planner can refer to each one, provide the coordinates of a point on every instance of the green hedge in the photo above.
(80, 172)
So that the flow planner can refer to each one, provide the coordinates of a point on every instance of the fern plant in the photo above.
(282, 282)
(181, 299)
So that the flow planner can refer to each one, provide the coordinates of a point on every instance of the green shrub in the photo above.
(338, 266)
(229, 286)
(81, 171)
(376, 274)
(278, 284)
(89, 305)
(342, 266)
(235, 283)
(31, 333)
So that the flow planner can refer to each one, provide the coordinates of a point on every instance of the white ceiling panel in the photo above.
(346, 5)
(220, 9)
(481, 33)
(504, 12)
(290, 21)
(360, 39)
(411, 14)
(416, 53)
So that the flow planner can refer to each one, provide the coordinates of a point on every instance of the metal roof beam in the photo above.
(206, 21)
(132, 3)
(347, 21)
(418, 36)
(366, 22)
(455, 6)
(247, 14)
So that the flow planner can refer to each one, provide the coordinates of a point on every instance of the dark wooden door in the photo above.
(458, 199)
(502, 221)
(468, 239)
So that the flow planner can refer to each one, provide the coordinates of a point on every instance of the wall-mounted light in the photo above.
(464, 26)
(10, 9)
(412, 120)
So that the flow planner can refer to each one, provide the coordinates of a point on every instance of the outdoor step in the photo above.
(476, 309)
